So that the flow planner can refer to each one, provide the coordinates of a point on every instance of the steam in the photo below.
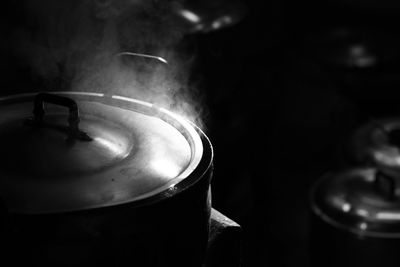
(76, 45)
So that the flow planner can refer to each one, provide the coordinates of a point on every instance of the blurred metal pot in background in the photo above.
(355, 219)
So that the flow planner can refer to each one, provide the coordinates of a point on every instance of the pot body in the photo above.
(173, 232)
(166, 229)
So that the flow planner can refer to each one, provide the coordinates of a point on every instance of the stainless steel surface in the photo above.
(355, 220)
(137, 151)
(353, 201)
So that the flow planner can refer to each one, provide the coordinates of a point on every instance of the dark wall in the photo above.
(285, 93)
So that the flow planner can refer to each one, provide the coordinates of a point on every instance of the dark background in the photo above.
(285, 93)
(284, 89)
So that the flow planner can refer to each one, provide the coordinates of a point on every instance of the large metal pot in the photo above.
(119, 183)
(355, 219)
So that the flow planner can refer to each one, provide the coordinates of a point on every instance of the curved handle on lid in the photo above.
(73, 119)
(38, 109)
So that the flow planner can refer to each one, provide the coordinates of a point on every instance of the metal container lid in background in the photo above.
(363, 201)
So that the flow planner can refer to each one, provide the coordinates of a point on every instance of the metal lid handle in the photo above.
(73, 119)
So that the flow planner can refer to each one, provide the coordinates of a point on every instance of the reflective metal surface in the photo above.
(137, 151)
(359, 202)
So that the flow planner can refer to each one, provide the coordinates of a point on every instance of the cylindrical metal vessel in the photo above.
(355, 219)
(128, 186)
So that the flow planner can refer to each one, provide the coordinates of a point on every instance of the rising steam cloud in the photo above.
(75, 45)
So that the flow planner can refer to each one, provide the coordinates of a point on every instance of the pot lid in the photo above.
(378, 142)
(363, 201)
(125, 150)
